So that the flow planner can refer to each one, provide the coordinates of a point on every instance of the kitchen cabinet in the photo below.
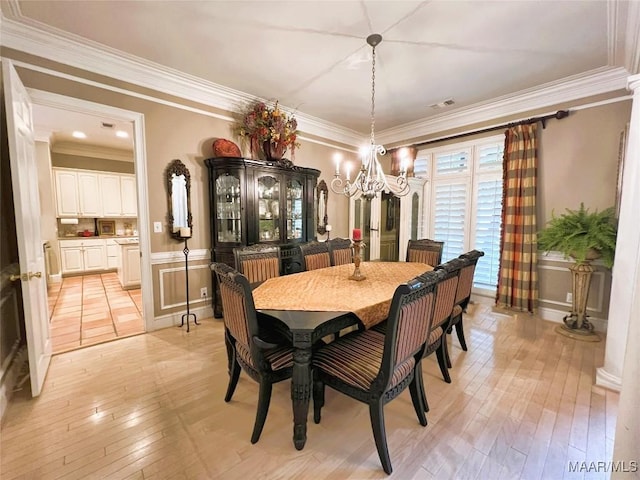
(253, 201)
(113, 254)
(89, 194)
(119, 197)
(79, 256)
(129, 263)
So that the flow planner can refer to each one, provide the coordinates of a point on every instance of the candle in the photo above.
(337, 158)
(328, 227)
(185, 232)
(357, 234)
(348, 168)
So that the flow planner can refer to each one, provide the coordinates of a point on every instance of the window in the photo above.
(464, 202)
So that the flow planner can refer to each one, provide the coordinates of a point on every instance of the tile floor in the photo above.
(92, 309)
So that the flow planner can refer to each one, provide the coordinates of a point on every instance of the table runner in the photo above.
(330, 290)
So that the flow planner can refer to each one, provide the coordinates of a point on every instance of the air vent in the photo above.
(445, 103)
(108, 125)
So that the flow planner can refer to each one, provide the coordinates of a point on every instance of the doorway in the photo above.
(122, 312)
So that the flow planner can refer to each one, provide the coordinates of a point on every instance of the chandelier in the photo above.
(370, 179)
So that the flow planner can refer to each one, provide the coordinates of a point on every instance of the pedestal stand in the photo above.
(185, 317)
(357, 246)
(576, 324)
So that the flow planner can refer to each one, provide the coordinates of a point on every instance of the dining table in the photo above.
(315, 304)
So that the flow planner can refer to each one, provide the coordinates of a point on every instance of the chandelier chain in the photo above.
(373, 94)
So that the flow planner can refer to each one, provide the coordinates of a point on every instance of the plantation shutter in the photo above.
(449, 225)
(488, 204)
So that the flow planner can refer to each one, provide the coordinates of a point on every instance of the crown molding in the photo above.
(44, 41)
(68, 49)
(92, 151)
(602, 80)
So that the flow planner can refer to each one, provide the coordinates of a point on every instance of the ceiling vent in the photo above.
(445, 103)
(108, 125)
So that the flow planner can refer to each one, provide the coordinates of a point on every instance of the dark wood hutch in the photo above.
(254, 201)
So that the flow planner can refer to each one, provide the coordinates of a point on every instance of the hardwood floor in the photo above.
(91, 309)
(521, 405)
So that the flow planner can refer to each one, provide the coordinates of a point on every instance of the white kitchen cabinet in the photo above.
(118, 195)
(113, 254)
(66, 188)
(129, 264)
(89, 194)
(79, 256)
(129, 195)
(111, 196)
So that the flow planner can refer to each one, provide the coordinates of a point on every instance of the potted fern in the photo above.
(584, 236)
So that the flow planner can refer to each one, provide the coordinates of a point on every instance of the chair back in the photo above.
(425, 251)
(315, 255)
(465, 283)
(446, 291)
(408, 326)
(340, 251)
(258, 262)
(240, 317)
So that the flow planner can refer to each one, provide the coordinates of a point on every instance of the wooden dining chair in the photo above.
(258, 262)
(264, 361)
(340, 251)
(315, 255)
(425, 251)
(374, 368)
(463, 295)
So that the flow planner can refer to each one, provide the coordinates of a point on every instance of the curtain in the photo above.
(518, 275)
(396, 160)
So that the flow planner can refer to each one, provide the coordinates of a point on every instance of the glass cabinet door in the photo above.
(228, 211)
(268, 209)
(294, 209)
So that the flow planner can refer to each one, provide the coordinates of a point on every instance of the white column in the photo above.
(626, 269)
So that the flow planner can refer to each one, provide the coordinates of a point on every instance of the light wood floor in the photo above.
(90, 309)
(522, 405)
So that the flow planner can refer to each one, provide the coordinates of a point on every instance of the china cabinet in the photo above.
(253, 201)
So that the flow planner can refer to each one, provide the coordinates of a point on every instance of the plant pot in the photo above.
(592, 255)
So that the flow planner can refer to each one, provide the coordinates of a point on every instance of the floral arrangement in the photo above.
(268, 129)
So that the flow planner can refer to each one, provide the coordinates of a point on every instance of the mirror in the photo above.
(179, 189)
(321, 207)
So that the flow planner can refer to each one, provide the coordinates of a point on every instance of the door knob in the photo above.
(22, 276)
(37, 275)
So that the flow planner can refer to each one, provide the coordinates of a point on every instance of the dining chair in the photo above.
(340, 251)
(264, 361)
(374, 367)
(258, 262)
(463, 295)
(315, 255)
(425, 251)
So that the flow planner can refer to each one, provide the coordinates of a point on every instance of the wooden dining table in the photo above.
(318, 303)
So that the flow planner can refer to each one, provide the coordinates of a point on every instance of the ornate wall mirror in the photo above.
(179, 189)
(321, 207)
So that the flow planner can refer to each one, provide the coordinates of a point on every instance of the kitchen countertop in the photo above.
(99, 237)
(127, 241)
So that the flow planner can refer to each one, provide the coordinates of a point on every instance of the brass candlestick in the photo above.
(357, 274)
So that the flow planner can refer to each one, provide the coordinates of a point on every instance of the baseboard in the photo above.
(606, 380)
(175, 319)
(55, 278)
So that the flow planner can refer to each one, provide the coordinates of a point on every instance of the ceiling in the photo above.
(312, 55)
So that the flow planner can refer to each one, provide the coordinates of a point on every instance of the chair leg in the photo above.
(441, 352)
(420, 381)
(318, 399)
(417, 398)
(376, 413)
(234, 375)
(264, 399)
(460, 333)
(230, 350)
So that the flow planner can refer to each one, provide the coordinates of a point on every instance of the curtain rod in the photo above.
(559, 115)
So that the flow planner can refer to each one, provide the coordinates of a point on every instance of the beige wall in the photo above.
(91, 163)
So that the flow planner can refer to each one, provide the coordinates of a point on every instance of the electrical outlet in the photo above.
(157, 227)
(569, 297)
(203, 292)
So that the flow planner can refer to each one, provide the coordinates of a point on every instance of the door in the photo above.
(364, 214)
(24, 179)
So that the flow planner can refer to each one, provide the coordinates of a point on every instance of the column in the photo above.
(626, 269)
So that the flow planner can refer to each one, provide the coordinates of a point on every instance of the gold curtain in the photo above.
(518, 274)
(396, 160)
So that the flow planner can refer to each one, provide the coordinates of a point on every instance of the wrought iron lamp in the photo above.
(370, 179)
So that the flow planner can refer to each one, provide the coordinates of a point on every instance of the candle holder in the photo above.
(357, 245)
